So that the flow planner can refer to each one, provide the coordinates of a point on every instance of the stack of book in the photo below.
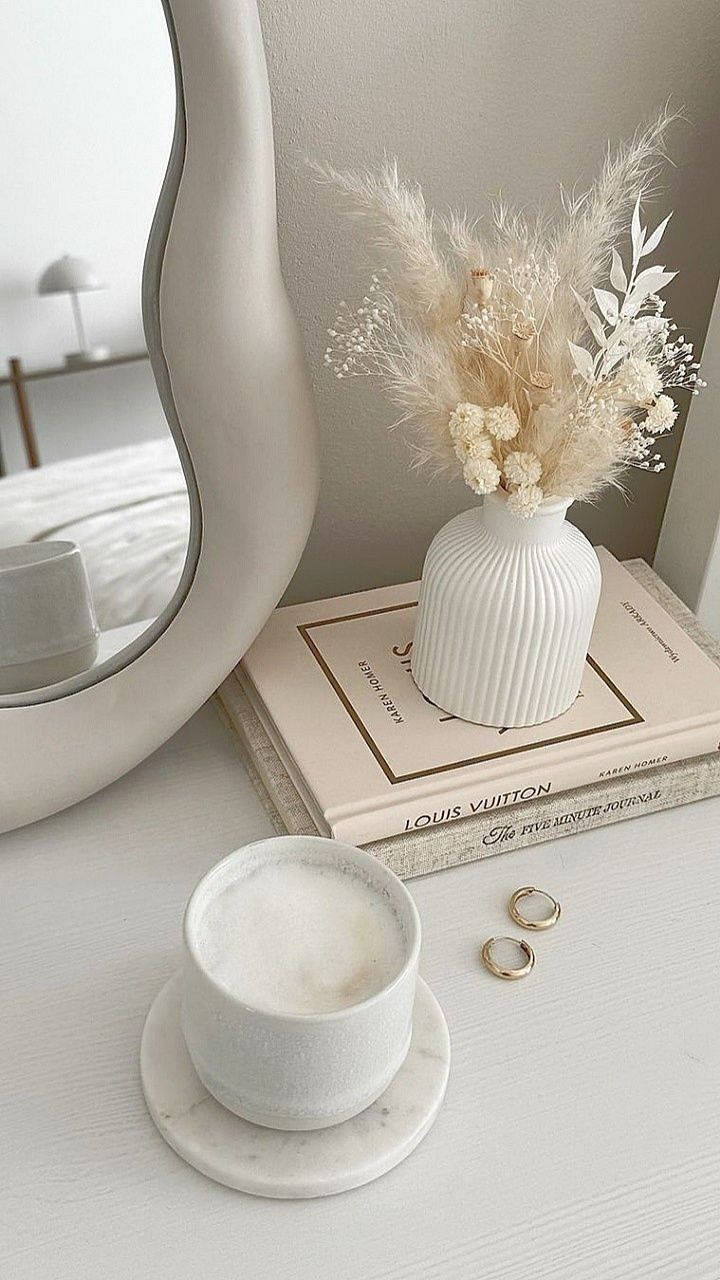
(340, 742)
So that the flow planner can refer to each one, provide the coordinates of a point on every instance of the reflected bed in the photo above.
(127, 509)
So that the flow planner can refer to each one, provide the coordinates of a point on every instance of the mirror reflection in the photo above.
(94, 516)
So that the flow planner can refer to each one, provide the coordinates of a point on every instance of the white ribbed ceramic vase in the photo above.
(506, 609)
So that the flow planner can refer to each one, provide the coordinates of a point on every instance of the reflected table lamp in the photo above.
(74, 276)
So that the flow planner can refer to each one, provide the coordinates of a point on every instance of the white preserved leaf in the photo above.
(637, 232)
(582, 360)
(618, 279)
(592, 321)
(614, 356)
(650, 281)
(595, 326)
(656, 237)
(581, 302)
(665, 278)
(608, 304)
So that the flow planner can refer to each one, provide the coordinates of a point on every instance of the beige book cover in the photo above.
(416, 853)
(370, 757)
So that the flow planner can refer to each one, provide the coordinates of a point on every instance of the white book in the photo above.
(419, 852)
(330, 684)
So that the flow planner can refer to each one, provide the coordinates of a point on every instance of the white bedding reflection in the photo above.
(127, 509)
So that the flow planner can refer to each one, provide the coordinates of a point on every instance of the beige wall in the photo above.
(472, 96)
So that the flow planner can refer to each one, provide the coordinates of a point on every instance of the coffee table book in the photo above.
(339, 741)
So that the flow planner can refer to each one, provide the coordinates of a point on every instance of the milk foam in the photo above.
(297, 937)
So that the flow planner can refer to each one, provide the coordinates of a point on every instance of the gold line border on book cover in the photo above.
(304, 629)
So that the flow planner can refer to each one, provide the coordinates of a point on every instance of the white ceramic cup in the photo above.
(297, 1071)
(48, 629)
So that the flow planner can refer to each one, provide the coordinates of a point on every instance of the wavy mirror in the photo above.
(94, 508)
(155, 551)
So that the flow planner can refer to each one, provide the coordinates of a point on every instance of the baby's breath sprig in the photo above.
(363, 338)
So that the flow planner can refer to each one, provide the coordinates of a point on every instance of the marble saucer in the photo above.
(281, 1164)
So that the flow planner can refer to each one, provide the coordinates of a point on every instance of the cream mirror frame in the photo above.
(229, 364)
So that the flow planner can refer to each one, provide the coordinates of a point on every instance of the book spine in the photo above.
(518, 827)
(523, 825)
(453, 805)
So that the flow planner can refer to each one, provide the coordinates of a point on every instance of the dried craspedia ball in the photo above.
(522, 468)
(636, 382)
(502, 422)
(466, 419)
(524, 501)
(661, 416)
(475, 445)
(481, 474)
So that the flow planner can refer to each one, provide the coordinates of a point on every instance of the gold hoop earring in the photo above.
(499, 970)
(547, 922)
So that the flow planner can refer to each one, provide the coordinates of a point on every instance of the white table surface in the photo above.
(580, 1136)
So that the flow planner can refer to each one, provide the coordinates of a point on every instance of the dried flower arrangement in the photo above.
(537, 360)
